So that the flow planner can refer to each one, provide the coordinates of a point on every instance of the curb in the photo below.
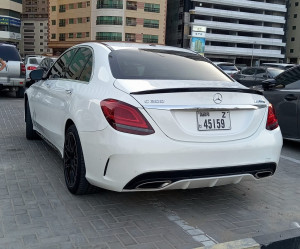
(289, 239)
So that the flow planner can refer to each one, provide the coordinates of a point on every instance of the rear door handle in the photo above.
(69, 91)
(290, 97)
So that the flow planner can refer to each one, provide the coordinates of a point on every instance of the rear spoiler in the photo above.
(197, 89)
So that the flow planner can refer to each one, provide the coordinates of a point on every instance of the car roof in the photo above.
(131, 45)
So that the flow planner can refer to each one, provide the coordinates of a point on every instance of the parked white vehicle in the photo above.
(138, 117)
(32, 63)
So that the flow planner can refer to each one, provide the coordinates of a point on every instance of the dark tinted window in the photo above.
(9, 53)
(87, 71)
(162, 64)
(294, 85)
(33, 61)
(59, 68)
(260, 71)
(228, 67)
(249, 71)
(274, 71)
(79, 61)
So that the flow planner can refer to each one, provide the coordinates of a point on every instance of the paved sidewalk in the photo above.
(37, 211)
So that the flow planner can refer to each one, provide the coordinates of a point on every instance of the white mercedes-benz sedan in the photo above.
(140, 117)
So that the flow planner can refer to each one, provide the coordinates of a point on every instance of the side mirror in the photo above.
(36, 75)
(268, 84)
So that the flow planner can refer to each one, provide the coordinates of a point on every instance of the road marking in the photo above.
(196, 233)
(290, 159)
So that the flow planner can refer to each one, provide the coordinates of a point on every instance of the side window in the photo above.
(260, 72)
(249, 71)
(294, 85)
(58, 69)
(78, 63)
(87, 71)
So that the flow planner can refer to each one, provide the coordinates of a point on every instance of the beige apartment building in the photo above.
(73, 22)
(34, 27)
(293, 32)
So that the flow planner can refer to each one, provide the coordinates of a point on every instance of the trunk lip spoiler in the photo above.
(197, 89)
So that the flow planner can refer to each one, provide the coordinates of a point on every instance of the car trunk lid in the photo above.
(214, 112)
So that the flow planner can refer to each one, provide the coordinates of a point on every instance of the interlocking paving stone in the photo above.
(37, 211)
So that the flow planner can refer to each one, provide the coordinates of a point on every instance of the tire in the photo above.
(20, 92)
(74, 166)
(30, 132)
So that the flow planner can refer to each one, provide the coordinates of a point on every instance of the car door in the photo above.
(48, 109)
(62, 93)
(286, 102)
(246, 77)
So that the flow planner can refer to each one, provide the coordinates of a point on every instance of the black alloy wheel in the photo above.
(74, 166)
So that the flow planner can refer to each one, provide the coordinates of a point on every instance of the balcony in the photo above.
(238, 27)
(106, 22)
(244, 39)
(238, 15)
(131, 5)
(267, 53)
(248, 4)
(130, 21)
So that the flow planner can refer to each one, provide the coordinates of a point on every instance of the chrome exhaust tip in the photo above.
(153, 185)
(263, 174)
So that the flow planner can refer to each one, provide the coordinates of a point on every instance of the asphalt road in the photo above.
(37, 211)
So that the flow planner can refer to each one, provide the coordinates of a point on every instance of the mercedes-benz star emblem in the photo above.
(218, 98)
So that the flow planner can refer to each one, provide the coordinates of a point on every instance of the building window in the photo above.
(151, 7)
(294, 27)
(109, 36)
(88, 19)
(62, 8)
(295, 15)
(41, 43)
(293, 39)
(53, 8)
(148, 23)
(62, 37)
(296, 3)
(150, 38)
(62, 23)
(109, 4)
(131, 5)
(71, 21)
(41, 50)
(291, 50)
(109, 20)
(130, 37)
(41, 37)
(87, 34)
(41, 24)
(71, 6)
(79, 20)
(71, 35)
(41, 30)
(53, 36)
(79, 35)
(79, 5)
(88, 3)
(130, 21)
(53, 22)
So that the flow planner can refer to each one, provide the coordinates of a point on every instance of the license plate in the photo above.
(213, 120)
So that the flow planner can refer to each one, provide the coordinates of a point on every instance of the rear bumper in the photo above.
(120, 161)
(11, 82)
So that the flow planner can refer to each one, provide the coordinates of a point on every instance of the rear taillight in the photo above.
(125, 118)
(23, 69)
(31, 68)
(272, 122)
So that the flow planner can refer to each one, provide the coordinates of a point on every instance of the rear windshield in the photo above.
(228, 67)
(163, 64)
(33, 61)
(9, 53)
